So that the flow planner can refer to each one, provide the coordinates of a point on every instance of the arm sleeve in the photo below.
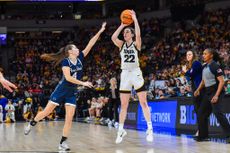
(216, 70)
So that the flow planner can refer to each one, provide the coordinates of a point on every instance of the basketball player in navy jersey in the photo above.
(7, 84)
(131, 75)
(72, 66)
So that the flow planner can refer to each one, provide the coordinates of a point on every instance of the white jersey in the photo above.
(129, 57)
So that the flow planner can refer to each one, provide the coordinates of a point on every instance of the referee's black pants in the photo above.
(113, 109)
(206, 109)
(197, 102)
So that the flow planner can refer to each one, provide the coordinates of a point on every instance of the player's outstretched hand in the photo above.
(7, 84)
(88, 84)
(133, 14)
(103, 27)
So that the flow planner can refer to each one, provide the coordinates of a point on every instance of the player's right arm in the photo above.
(115, 35)
(69, 78)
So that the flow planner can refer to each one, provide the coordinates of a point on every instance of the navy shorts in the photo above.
(64, 94)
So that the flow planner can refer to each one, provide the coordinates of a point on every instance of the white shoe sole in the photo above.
(117, 142)
(27, 130)
(62, 149)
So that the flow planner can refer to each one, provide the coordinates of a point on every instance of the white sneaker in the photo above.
(64, 146)
(149, 135)
(27, 129)
(120, 136)
(110, 124)
(107, 120)
(116, 125)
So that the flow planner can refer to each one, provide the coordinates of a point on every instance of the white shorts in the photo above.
(131, 78)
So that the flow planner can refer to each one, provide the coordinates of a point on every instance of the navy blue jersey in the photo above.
(195, 74)
(76, 69)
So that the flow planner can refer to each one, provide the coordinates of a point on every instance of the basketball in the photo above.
(126, 17)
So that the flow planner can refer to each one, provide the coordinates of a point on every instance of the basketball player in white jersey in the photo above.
(131, 75)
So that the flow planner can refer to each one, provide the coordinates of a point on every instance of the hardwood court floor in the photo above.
(90, 138)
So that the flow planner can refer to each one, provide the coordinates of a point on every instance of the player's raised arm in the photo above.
(115, 35)
(94, 40)
(137, 30)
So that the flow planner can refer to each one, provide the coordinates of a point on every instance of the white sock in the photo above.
(120, 127)
(150, 126)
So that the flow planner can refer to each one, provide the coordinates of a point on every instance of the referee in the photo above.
(213, 83)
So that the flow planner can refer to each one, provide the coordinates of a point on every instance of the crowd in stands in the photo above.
(69, 10)
(163, 54)
(90, 11)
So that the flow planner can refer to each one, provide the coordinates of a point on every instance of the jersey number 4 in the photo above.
(129, 58)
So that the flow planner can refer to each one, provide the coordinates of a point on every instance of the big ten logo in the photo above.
(187, 115)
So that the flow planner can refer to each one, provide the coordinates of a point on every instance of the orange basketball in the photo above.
(126, 17)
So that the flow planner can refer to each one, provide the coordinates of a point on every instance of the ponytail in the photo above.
(56, 58)
(216, 57)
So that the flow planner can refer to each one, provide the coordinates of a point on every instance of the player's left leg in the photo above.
(70, 110)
